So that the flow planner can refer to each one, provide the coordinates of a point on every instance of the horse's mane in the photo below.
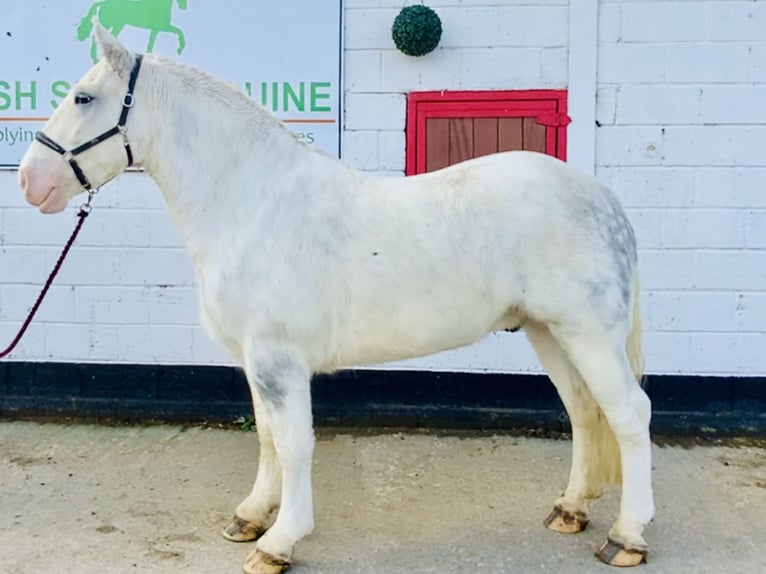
(201, 83)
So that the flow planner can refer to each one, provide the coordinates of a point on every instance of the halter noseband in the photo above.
(69, 156)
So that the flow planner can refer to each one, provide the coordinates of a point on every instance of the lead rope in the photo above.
(84, 212)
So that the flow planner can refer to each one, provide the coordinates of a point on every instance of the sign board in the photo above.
(286, 54)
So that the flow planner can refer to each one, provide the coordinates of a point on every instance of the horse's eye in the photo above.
(82, 98)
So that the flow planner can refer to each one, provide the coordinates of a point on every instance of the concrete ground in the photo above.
(85, 499)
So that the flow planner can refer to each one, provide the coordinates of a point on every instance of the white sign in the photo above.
(286, 54)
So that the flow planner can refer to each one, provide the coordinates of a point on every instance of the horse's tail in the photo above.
(634, 346)
(606, 467)
(86, 24)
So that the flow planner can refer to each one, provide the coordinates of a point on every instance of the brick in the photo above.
(725, 353)
(116, 305)
(114, 228)
(17, 300)
(691, 311)
(755, 230)
(512, 68)
(711, 63)
(715, 145)
(22, 265)
(606, 105)
(609, 23)
(629, 145)
(667, 352)
(757, 62)
(86, 266)
(631, 63)
(700, 228)
(74, 342)
(392, 150)
(155, 267)
(375, 111)
(11, 195)
(362, 70)
(666, 269)
(663, 22)
(360, 149)
(29, 227)
(647, 225)
(173, 306)
(161, 343)
(657, 104)
(554, 67)
(32, 345)
(726, 187)
(751, 309)
(544, 26)
(651, 186)
(736, 104)
(132, 190)
(474, 27)
(369, 29)
(163, 233)
(401, 73)
(727, 269)
(736, 21)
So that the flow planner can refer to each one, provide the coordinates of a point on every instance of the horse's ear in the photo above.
(118, 56)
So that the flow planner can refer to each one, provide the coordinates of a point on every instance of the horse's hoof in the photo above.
(241, 530)
(260, 562)
(616, 554)
(565, 522)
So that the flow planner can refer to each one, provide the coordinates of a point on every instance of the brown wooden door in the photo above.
(445, 128)
(452, 140)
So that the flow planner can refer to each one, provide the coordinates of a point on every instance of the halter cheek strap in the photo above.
(70, 155)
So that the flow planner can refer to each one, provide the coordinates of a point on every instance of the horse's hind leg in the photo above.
(591, 466)
(602, 361)
(256, 513)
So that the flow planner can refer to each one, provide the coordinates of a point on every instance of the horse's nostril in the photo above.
(23, 179)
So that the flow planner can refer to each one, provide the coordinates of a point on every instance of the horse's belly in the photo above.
(408, 332)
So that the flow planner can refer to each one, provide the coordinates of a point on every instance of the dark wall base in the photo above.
(683, 406)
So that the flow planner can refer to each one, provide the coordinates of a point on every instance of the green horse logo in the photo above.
(114, 15)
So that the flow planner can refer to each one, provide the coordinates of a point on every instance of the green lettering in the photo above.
(59, 89)
(31, 94)
(274, 96)
(317, 95)
(264, 94)
(5, 98)
(249, 89)
(299, 100)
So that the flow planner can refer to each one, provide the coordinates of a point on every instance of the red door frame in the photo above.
(548, 106)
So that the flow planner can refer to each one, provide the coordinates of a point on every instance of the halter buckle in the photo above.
(68, 156)
(128, 100)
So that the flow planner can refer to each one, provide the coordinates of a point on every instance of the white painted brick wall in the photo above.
(682, 86)
(680, 104)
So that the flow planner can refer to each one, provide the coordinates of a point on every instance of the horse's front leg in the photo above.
(256, 513)
(282, 381)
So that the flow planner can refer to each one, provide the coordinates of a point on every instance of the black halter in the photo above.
(69, 156)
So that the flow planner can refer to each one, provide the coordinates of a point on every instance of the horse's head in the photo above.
(91, 109)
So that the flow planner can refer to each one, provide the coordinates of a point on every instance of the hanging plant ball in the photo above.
(416, 30)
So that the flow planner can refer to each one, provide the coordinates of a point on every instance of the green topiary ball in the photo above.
(416, 30)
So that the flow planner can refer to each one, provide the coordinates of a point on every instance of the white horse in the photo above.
(306, 265)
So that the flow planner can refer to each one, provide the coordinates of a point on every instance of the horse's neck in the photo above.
(220, 168)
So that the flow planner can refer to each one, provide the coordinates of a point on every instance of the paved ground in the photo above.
(82, 499)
